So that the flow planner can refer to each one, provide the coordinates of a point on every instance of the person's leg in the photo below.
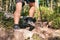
(17, 13)
(32, 9)
(30, 20)
(31, 14)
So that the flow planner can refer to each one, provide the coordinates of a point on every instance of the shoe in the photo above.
(16, 26)
(31, 22)
(31, 28)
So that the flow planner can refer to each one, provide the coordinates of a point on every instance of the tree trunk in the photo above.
(7, 5)
(51, 5)
(37, 9)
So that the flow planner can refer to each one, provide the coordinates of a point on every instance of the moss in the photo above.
(36, 37)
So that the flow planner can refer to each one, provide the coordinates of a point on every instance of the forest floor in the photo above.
(39, 33)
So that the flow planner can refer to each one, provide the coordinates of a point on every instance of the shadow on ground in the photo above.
(54, 38)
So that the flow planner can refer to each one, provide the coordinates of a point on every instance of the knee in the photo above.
(32, 4)
(17, 10)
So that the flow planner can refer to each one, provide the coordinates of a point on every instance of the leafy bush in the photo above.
(46, 13)
(49, 15)
(25, 10)
(1, 15)
(56, 21)
(7, 23)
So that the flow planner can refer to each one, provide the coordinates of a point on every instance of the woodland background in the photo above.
(49, 12)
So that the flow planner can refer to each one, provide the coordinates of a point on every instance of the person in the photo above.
(17, 13)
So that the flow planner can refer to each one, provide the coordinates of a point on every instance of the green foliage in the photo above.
(49, 15)
(1, 15)
(57, 9)
(25, 10)
(36, 37)
(7, 23)
(56, 21)
(36, 13)
(45, 13)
